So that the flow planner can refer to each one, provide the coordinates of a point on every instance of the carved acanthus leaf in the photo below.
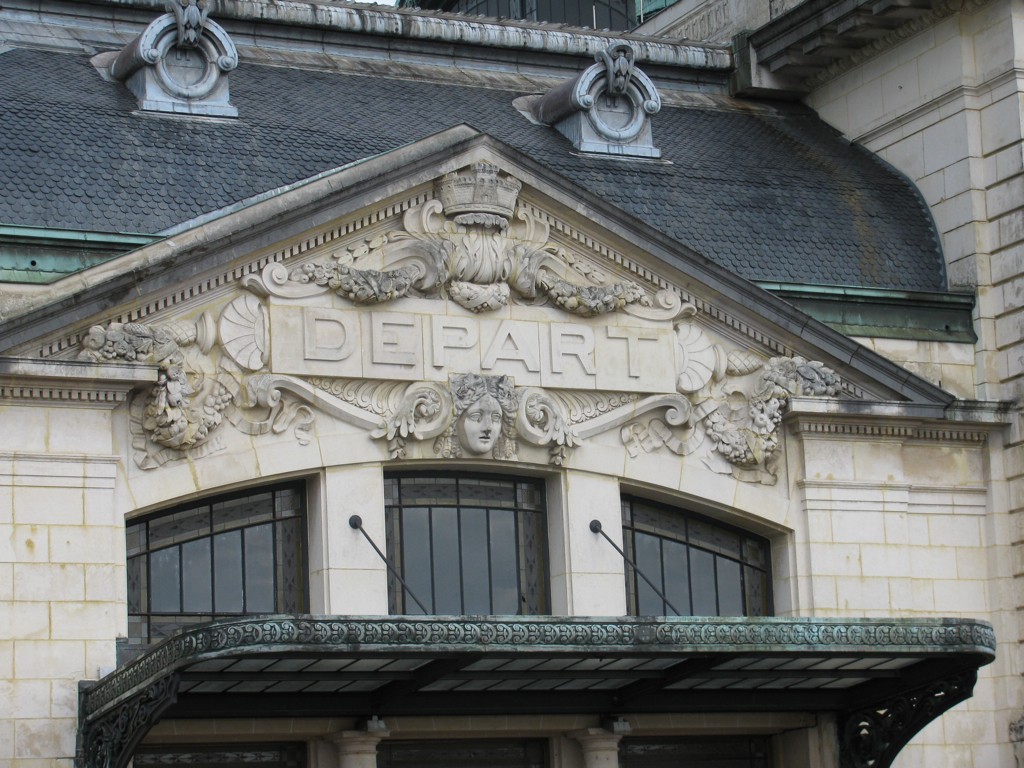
(182, 408)
(737, 421)
(466, 245)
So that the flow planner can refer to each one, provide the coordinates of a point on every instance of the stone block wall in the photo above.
(62, 577)
(944, 106)
(903, 526)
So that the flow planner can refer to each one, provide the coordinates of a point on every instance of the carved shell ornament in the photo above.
(472, 245)
(727, 410)
(738, 402)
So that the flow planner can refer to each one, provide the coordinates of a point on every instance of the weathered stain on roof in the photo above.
(771, 194)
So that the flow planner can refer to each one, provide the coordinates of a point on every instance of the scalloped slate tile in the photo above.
(778, 197)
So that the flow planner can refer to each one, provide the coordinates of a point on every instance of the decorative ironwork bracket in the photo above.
(110, 739)
(872, 736)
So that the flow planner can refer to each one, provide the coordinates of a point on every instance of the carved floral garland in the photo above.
(469, 245)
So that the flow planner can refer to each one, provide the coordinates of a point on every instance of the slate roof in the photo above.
(771, 195)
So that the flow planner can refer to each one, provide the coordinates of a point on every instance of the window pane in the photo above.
(197, 592)
(288, 502)
(136, 593)
(756, 584)
(429, 490)
(492, 493)
(677, 576)
(475, 564)
(165, 578)
(246, 510)
(416, 557)
(447, 582)
(227, 575)
(290, 579)
(755, 552)
(256, 566)
(730, 589)
(533, 569)
(259, 569)
(714, 538)
(135, 539)
(467, 544)
(504, 575)
(648, 562)
(390, 491)
(702, 573)
(183, 526)
(530, 496)
(712, 584)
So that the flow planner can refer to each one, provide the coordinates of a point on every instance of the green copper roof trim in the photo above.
(44, 255)
(880, 313)
(52, 233)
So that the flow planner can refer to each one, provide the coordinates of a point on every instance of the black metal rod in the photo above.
(595, 526)
(357, 522)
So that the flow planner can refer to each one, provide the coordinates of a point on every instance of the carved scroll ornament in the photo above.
(468, 245)
(475, 247)
(726, 411)
(735, 417)
(181, 408)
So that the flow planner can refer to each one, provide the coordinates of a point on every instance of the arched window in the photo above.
(227, 556)
(702, 567)
(466, 544)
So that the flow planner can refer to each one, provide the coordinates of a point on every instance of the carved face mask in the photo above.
(479, 425)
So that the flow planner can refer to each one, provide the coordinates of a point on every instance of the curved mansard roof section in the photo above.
(220, 248)
(766, 190)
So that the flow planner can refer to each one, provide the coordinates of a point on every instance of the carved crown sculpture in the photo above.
(607, 109)
(479, 194)
(180, 63)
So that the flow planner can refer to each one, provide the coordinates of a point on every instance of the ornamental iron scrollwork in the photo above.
(108, 740)
(682, 635)
(873, 736)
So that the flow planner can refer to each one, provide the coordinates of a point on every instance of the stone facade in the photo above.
(869, 510)
(332, 341)
(944, 107)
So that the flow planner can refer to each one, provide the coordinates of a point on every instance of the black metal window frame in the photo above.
(208, 527)
(470, 753)
(682, 537)
(233, 755)
(719, 751)
(528, 520)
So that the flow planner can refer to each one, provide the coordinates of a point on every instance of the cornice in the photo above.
(962, 421)
(903, 32)
(257, 18)
(70, 382)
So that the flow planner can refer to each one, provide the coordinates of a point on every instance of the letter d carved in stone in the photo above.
(329, 335)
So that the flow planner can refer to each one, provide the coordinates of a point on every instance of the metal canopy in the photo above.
(884, 678)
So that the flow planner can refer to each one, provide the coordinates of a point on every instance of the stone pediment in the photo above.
(484, 312)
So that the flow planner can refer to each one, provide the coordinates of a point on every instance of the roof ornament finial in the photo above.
(180, 63)
(191, 17)
(618, 64)
(588, 110)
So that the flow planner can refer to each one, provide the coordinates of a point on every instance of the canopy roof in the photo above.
(863, 670)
